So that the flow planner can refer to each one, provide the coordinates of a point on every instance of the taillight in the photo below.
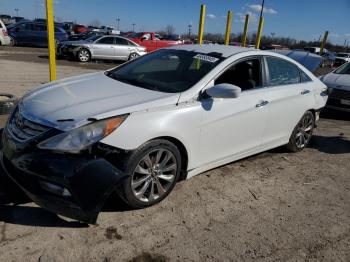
(4, 32)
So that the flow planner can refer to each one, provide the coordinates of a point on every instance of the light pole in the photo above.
(133, 27)
(16, 9)
(118, 20)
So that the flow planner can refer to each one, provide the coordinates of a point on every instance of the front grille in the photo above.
(340, 94)
(24, 129)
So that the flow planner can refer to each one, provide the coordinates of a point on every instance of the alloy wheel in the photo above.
(84, 56)
(304, 131)
(154, 175)
(133, 56)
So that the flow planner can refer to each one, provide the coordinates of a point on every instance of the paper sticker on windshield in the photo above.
(206, 58)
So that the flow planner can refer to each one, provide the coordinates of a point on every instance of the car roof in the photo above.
(224, 50)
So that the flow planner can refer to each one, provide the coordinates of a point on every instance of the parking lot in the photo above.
(275, 206)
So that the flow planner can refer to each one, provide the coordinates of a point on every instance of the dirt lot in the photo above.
(274, 206)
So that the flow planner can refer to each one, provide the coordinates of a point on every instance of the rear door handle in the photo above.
(304, 92)
(262, 104)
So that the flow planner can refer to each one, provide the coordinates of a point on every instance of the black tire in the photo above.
(133, 56)
(130, 163)
(12, 41)
(294, 144)
(84, 55)
(7, 105)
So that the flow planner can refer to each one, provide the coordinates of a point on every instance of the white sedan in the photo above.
(140, 127)
(338, 82)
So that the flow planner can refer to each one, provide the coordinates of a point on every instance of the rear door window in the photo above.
(121, 41)
(282, 72)
(106, 41)
(39, 27)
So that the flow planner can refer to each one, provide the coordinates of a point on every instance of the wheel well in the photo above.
(313, 111)
(84, 48)
(183, 153)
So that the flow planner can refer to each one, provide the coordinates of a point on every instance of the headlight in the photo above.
(78, 139)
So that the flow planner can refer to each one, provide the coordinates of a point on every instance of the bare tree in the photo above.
(95, 23)
(169, 29)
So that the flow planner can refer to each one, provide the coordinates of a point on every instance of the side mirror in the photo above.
(224, 91)
(143, 38)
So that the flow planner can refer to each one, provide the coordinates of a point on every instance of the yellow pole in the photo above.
(245, 31)
(51, 38)
(324, 41)
(201, 25)
(258, 36)
(228, 27)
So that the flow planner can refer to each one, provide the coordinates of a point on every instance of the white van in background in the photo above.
(4, 37)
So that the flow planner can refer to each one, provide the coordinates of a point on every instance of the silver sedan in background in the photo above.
(106, 47)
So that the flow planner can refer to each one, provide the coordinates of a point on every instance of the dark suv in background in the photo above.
(34, 33)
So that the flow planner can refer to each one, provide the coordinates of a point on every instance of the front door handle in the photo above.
(304, 92)
(262, 103)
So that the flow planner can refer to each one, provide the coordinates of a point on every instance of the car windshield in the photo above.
(85, 36)
(167, 70)
(344, 69)
(13, 25)
(342, 55)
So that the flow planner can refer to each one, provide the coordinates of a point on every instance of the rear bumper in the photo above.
(72, 186)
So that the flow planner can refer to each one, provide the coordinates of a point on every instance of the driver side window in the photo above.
(245, 74)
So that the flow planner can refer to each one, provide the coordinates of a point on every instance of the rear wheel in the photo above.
(302, 133)
(153, 171)
(84, 55)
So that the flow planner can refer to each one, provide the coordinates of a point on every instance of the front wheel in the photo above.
(153, 171)
(302, 133)
(133, 56)
(84, 55)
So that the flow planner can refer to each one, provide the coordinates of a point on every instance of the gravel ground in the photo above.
(275, 206)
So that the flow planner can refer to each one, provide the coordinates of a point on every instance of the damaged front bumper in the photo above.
(75, 186)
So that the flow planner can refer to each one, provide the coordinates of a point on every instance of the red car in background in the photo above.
(150, 41)
(78, 29)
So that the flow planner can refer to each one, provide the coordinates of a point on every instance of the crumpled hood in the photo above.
(68, 103)
(339, 81)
